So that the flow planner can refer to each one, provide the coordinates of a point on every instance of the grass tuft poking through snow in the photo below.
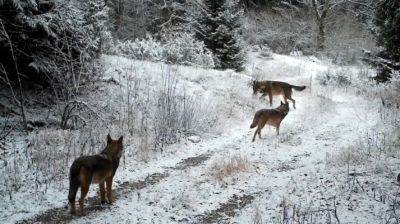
(224, 168)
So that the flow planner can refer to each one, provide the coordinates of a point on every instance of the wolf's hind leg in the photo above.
(84, 191)
(261, 126)
(294, 102)
(254, 136)
(289, 96)
(85, 179)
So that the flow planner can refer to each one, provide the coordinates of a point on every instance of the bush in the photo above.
(176, 49)
(277, 32)
(186, 50)
(338, 78)
(175, 114)
(145, 49)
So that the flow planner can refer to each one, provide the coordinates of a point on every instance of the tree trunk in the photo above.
(321, 12)
(118, 13)
(321, 35)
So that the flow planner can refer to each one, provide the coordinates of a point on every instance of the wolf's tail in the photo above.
(74, 182)
(255, 121)
(298, 88)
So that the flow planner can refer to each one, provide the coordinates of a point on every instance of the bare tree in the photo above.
(321, 9)
(20, 102)
(118, 8)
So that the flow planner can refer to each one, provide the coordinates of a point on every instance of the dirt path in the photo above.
(92, 204)
(227, 210)
(279, 165)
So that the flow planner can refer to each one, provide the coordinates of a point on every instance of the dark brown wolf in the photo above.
(95, 169)
(271, 117)
(271, 88)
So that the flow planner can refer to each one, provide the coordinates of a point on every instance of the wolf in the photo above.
(272, 117)
(94, 169)
(271, 88)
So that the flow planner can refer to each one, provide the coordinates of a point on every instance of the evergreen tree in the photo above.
(51, 43)
(217, 23)
(387, 20)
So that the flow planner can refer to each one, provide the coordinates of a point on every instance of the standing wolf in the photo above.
(272, 117)
(271, 88)
(94, 169)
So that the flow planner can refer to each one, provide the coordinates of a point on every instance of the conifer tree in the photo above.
(387, 20)
(218, 24)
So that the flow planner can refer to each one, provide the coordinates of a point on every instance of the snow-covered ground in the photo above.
(317, 167)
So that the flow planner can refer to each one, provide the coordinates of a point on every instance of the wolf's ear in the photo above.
(282, 103)
(120, 139)
(109, 139)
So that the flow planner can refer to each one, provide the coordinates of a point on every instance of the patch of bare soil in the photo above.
(227, 209)
(192, 161)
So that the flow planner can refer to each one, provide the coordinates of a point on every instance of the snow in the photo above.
(194, 139)
(303, 166)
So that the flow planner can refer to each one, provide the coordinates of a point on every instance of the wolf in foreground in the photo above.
(94, 169)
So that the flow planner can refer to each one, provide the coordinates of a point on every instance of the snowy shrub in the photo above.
(279, 33)
(52, 151)
(184, 49)
(45, 160)
(334, 77)
(177, 49)
(265, 52)
(309, 212)
(159, 112)
(346, 157)
(392, 92)
(144, 49)
(175, 113)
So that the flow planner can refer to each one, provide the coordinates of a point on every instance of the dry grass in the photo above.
(345, 157)
(221, 170)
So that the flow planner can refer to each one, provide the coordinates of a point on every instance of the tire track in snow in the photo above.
(92, 204)
(292, 163)
(227, 209)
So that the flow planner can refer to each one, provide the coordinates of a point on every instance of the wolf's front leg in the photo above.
(109, 189)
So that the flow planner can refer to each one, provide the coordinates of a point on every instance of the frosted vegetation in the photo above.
(174, 78)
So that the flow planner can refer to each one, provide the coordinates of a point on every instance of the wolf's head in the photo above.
(283, 108)
(114, 147)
